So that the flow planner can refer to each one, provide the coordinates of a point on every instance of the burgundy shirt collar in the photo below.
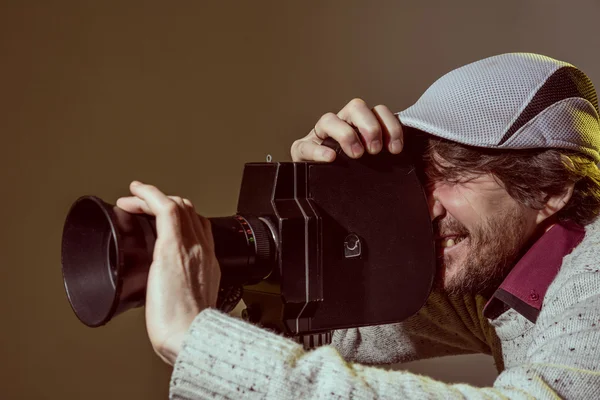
(525, 286)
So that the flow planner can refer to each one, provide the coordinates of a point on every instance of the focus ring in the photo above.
(263, 244)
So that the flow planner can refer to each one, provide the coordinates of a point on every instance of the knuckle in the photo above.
(381, 107)
(372, 131)
(327, 118)
(294, 146)
(171, 207)
(296, 150)
(348, 136)
(297, 145)
(302, 149)
(357, 103)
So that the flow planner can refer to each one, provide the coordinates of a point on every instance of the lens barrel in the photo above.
(107, 253)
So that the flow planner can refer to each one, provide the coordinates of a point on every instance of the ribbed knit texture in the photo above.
(558, 357)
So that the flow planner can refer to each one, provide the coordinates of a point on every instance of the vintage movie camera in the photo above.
(313, 247)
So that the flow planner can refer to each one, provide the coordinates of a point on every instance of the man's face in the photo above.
(480, 231)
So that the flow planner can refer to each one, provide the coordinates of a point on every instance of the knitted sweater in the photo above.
(557, 357)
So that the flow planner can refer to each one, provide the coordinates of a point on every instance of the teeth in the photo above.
(452, 242)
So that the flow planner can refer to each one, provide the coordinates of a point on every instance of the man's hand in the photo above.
(377, 126)
(184, 276)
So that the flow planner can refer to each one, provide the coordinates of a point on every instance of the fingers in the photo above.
(308, 149)
(154, 202)
(392, 129)
(133, 205)
(174, 211)
(201, 225)
(359, 115)
(355, 128)
(187, 220)
(331, 125)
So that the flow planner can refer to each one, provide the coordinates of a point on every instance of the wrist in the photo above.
(169, 348)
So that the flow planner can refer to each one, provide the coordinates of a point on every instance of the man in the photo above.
(514, 192)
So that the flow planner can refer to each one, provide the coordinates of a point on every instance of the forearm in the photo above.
(226, 358)
(444, 326)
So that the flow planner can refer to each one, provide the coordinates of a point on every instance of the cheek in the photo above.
(458, 204)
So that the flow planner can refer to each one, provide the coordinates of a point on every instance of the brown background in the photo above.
(181, 95)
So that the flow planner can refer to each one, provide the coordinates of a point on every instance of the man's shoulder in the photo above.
(579, 276)
(586, 254)
(593, 229)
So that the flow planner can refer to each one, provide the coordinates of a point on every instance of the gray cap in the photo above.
(512, 101)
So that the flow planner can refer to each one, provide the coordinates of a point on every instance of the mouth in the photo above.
(451, 244)
(450, 241)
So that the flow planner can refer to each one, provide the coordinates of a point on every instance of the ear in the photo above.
(555, 204)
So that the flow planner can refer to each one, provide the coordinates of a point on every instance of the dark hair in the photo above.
(529, 176)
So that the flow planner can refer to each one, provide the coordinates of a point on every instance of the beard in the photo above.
(492, 248)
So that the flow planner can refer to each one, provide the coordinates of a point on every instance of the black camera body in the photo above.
(315, 246)
(354, 242)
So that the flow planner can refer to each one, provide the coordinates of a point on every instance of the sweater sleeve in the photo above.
(226, 358)
(444, 326)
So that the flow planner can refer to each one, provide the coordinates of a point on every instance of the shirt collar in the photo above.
(525, 286)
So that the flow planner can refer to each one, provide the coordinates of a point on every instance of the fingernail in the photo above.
(327, 154)
(357, 149)
(375, 146)
(396, 146)
(135, 183)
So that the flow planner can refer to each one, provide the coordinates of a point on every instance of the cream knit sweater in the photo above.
(557, 357)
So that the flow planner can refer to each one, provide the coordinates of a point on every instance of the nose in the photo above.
(436, 209)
